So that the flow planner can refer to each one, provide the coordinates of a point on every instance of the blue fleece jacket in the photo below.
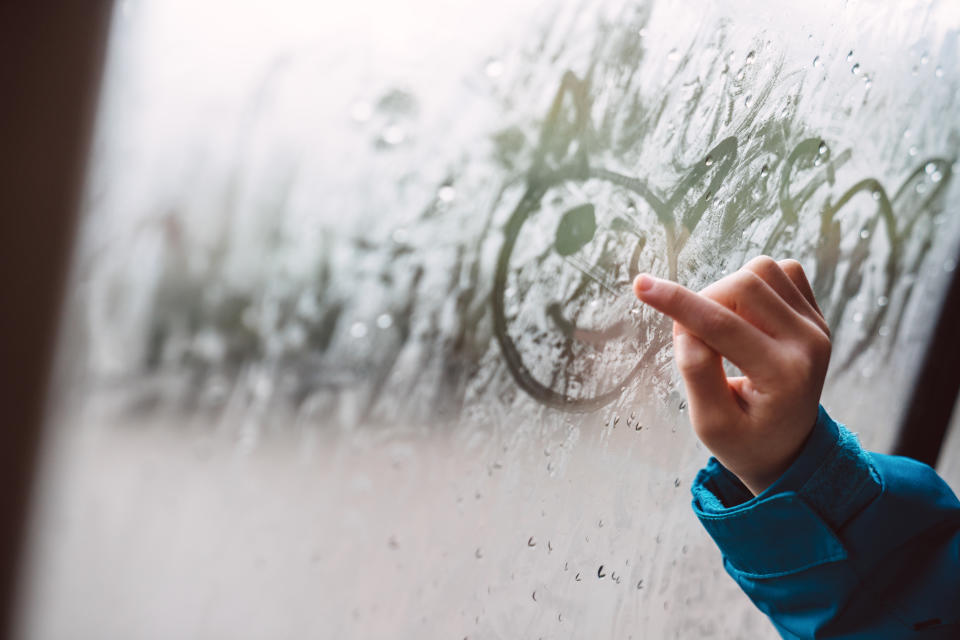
(846, 544)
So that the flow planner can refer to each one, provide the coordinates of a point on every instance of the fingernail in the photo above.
(642, 283)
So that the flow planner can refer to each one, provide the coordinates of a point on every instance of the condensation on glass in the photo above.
(949, 462)
(351, 349)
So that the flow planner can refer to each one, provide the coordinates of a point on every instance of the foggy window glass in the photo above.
(949, 462)
(351, 350)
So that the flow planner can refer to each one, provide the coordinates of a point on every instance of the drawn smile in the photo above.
(578, 228)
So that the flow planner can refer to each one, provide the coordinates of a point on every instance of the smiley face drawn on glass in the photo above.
(562, 304)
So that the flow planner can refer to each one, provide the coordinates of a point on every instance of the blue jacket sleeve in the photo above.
(846, 544)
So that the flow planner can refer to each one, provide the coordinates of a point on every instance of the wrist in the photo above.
(773, 456)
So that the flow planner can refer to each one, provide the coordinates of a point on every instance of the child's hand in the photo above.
(765, 320)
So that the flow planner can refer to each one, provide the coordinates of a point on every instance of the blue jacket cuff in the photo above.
(792, 525)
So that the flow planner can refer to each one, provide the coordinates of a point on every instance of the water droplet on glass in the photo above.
(938, 72)
(577, 578)
(676, 483)
(816, 61)
(747, 101)
(393, 135)
(751, 57)
(858, 317)
(907, 133)
(361, 111)
(384, 321)
(883, 301)
(673, 55)
(358, 330)
(534, 596)
(930, 167)
(925, 58)
(864, 233)
(921, 187)
(549, 547)
(531, 542)
(708, 160)
(855, 69)
(600, 524)
(764, 171)
(639, 584)
(883, 331)
(822, 148)
(616, 419)
(400, 236)
(478, 553)
(600, 573)
(936, 176)
(912, 151)
(949, 265)
(493, 68)
(643, 32)
(850, 55)
(875, 194)
(446, 193)
(683, 405)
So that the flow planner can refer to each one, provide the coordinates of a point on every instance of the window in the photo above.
(351, 349)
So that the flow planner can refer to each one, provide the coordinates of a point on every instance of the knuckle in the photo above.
(747, 282)
(821, 346)
(762, 265)
(813, 355)
(791, 267)
(824, 330)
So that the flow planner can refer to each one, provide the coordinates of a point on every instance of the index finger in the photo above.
(723, 330)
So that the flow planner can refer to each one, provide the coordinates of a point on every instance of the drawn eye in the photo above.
(577, 227)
